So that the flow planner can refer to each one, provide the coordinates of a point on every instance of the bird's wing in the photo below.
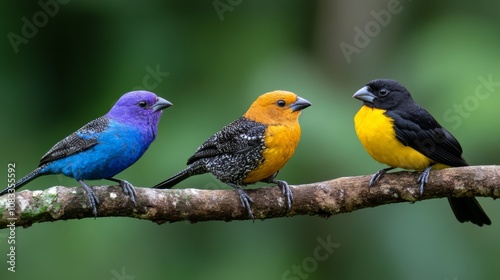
(418, 129)
(80, 140)
(237, 137)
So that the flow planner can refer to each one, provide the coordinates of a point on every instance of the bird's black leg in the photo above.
(285, 189)
(287, 192)
(245, 199)
(374, 179)
(128, 188)
(423, 178)
(94, 201)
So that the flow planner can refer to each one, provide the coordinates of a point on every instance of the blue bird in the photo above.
(105, 146)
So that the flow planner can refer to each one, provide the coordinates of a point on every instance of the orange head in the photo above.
(276, 107)
(279, 110)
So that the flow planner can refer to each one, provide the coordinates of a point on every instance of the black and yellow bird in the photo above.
(397, 132)
(252, 148)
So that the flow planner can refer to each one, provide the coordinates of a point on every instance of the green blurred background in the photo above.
(212, 59)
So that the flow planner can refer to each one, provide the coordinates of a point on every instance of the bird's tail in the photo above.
(467, 209)
(177, 178)
(26, 179)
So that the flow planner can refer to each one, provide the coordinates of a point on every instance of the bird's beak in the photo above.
(300, 104)
(364, 95)
(161, 104)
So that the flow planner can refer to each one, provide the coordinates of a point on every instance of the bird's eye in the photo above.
(383, 92)
(281, 103)
(142, 104)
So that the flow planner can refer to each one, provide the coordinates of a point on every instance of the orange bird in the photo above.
(252, 148)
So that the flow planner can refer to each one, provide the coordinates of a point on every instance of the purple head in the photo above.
(139, 108)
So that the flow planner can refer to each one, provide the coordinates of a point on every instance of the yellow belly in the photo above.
(281, 142)
(376, 133)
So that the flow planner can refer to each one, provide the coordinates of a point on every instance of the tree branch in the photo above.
(323, 199)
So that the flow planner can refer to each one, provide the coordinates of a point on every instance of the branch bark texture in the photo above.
(323, 199)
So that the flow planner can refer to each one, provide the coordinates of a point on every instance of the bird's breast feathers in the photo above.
(125, 140)
(377, 135)
(280, 142)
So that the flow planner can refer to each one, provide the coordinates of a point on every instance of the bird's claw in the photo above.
(423, 179)
(245, 201)
(93, 200)
(377, 176)
(374, 179)
(287, 192)
(129, 190)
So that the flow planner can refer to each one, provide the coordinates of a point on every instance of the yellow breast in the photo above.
(281, 142)
(376, 133)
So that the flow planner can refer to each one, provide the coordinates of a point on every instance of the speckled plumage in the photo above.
(105, 146)
(231, 152)
(252, 148)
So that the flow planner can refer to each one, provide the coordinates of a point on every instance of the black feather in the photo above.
(240, 136)
(416, 128)
(74, 143)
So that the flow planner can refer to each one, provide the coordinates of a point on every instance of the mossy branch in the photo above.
(323, 199)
